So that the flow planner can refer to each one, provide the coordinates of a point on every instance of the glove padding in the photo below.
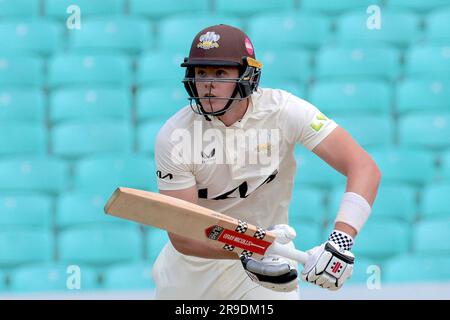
(328, 266)
(274, 272)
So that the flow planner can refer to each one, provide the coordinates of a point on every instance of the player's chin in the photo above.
(213, 105)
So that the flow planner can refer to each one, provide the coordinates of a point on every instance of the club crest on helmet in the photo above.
(209, 40)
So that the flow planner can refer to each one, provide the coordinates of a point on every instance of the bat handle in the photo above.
(291, 253)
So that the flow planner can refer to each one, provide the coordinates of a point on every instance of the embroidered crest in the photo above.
(208, 40)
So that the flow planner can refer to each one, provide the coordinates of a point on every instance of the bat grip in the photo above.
(285, 251)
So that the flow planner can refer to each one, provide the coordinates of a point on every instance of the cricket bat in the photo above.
(196, 222)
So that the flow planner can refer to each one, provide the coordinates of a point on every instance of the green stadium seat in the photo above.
(428, 61)
(416, 5)
(425, 130)
(434, 201)
(431, 237)
(308, 205)
(20, 71)
(335, 7)
(163, 8)
(106, 173)
(58, 8)
(155, 240)
(22, 104)
(79, 69)
(438, 27)
(290, 65)
(37, 36)
(80, 104)
(358, 63)
(424, 95)
(252, 7)
(19, 8)
(309, 235)
(100, 244)
(45, 174)
(106, 34)
(23, 138)
(130, 276)
(24, 245)
(50, 277)
(363, 270)
(417, 269)
(76, 139)
(398, 29)
(147, 133)
(160, 102)
(156, 68)
(336, 97)
(32, 210)
(288, 31)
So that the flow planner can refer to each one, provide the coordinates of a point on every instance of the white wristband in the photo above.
(354, 210)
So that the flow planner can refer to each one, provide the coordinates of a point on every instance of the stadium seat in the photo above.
(20, 71)
(252, 7)
(79, 69)
(363, 270)
(290, 65)
(147, 133)
(106, 34)
(130, 276)
(397, 28)
(163, 8)
(157, 68)
(23, 139)
(32, 210)
(335, 7)
(431, 237)
(106, 173)
(100, 244)
(24, 245)
(428, 61)
(53, 278)
(155, 240)
(22, 104)
(37, 36)
(97, 102)
(358, 63)
(3, 285)
(19, 8)
(438, 27)
(445, 170)
(307, 204)
(416, 5)
(404, 269)
(424, 95)
(160, 102)
(336, 97)
(434, 201)
(297, 30)
(434, 130)
(404, 165)
(45, 174)
(76, 139)
(308, 236)
(58, 8)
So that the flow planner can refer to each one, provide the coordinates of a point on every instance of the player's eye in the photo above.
(201, 73)
(221, 73)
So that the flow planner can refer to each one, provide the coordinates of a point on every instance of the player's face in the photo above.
(206, 87)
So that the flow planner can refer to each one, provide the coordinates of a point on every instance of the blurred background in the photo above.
(80, 108)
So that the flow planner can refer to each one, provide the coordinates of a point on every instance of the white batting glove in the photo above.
(274, 272)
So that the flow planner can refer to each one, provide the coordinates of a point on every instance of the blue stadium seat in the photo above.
(25, 245)
(308, 236)
(147, 133)
(434, 130)
(3, 285)
(404, 269)
(23, 138)
(130, 276)
(252, 7)
(290, 65)
(155, 240)
(434, 201)
(88, 8)
(34, 36)
(22, 104)
(363, 270)
(106, 173)
(308, 205)
(177, 33)
(19, 8)
(100, 103)
(397, 28)
(335, 7)
(33, 210)
(297, 30)
(45, 174)
(438, 27)
(156, 68)
(106, 34)
(416, 5)
(424, 95)
(50, 277)
(335, 97)
(162, 8)
(75, 139)
(23, 71)
(358, 63)
(445, 171)
(160, 102)
(100, 245)
(431, 237)
(79, 69)
(428, 61)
